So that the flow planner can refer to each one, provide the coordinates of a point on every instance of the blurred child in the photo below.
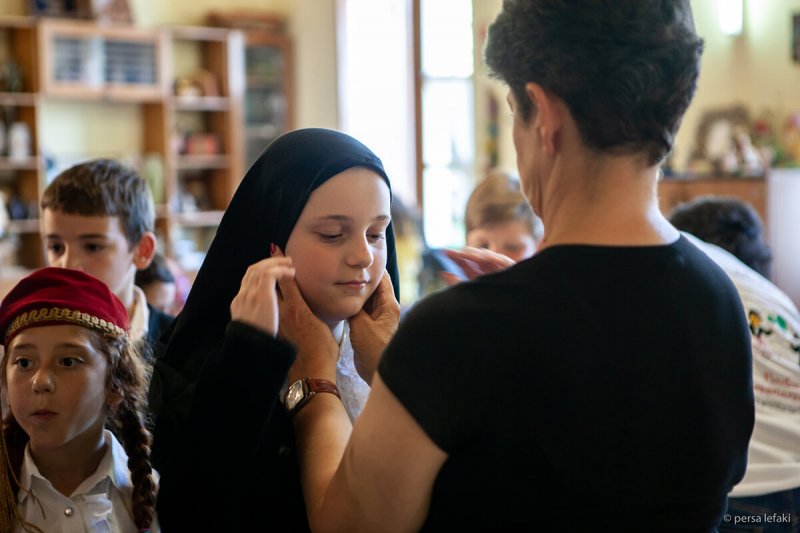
(502, 229)
(69, 367)
(499, 218)
(98, 217)
(731, 224)
(158, 284)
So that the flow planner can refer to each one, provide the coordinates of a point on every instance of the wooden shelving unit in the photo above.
(22, 177)
(268, 68)
(206, 168)
(198, 137)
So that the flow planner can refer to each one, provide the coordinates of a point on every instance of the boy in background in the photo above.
(158, 283)
(98, 217)
(499, 218)
(731, 224)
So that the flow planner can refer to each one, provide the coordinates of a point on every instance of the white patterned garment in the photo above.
(352, 388)
(773, 458)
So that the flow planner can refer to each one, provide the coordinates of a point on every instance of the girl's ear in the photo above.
(113, 398)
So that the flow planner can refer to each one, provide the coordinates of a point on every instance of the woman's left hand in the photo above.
(475, 262)
(373, 327)
(317, 349)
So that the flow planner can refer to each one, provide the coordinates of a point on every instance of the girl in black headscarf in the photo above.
(226, 457)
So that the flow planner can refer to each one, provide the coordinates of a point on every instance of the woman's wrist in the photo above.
(313, 366)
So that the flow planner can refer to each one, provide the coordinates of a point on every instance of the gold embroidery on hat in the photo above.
(60, 314)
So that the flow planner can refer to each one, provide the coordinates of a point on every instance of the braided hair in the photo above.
(127, 379)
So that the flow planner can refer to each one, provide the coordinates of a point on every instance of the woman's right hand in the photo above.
(256, 303)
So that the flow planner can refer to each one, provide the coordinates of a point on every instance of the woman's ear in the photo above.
(549, 119)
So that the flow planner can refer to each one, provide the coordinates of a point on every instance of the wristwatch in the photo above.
(301, 391)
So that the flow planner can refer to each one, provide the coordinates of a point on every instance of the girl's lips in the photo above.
(353, 287)
(43, 415)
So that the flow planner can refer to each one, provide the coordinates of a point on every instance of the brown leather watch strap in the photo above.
(311, 387)
(322, 385)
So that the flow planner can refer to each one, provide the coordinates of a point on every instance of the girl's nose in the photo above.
(43, 381)
(360, 254)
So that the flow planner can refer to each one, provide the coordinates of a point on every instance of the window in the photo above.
(376, 88)
(378, 94)
(448, 130)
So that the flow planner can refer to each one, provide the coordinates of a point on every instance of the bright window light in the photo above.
(731, 15)
(448, 131)
(376, 85)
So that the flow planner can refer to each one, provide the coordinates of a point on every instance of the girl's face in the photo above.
(338, 246)
(57, 387)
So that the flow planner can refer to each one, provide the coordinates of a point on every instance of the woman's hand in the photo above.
(317, 350)
(256, 303)
(475, 262)
(373, 327)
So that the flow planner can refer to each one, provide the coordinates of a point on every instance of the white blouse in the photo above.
(101, 504)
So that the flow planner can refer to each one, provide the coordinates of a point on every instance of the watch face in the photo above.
(294, 394)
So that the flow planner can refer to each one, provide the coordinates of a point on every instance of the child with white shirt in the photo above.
(70, 367)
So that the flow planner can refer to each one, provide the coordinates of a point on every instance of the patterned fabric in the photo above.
(353, 390)
(773, 459)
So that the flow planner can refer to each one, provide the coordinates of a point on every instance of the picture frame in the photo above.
(796, 37)
(111, 11)
(714, 121)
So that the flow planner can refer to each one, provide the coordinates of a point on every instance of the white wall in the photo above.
(313, 27)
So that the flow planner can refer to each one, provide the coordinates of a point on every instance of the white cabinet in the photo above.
(783, 229)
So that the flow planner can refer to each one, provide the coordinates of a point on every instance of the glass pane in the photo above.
(447, 122)
(130, 62)
(376, 84)
(77, 59)
(264, 101)
(445, 193)
(446, 38)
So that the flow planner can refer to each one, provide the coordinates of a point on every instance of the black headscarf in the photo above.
(264, 210)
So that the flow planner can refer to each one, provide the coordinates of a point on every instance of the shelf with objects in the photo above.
(268, 63)
(21, 166)
(732, 154)
(185, 86)
(203, 113)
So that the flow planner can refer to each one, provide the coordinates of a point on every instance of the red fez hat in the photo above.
(61, 296)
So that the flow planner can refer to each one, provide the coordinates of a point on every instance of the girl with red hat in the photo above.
(69, 367)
